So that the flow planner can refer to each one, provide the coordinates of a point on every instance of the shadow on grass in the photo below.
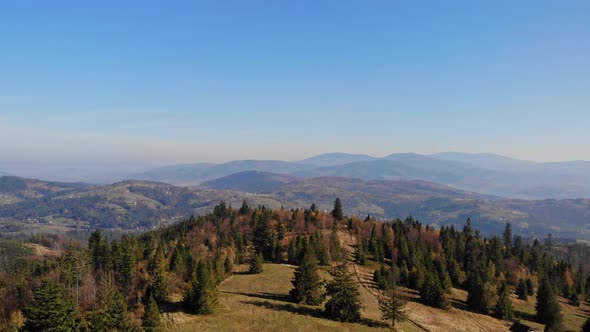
(519, 314)
(307, 311)
(266, 296)
(172, 307)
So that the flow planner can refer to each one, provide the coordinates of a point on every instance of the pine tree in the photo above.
(521, 290)
(432, 292)
(228, 265)
(201, 297)
(110, 310)
(151, 321)
(256, 264)
(547, 308)
(586, 326)
(392, 304)
(337, 211)
(475, 298)
(307, 283)
(530, 288)
(50, 310)
(159, 279)
(503, 309)
(507, 236)
(344, 304)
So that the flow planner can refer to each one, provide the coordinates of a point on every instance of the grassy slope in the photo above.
(261, 303)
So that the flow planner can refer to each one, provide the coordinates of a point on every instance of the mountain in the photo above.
(192, 174)
(33, 206)
(250, 181)
(486, 160)
(332, 159)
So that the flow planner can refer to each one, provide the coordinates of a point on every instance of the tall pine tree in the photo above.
(307, 283)
(344, 304)
(51, 309)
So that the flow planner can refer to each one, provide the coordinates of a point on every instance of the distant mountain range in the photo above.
(54, 206)
(484, 173)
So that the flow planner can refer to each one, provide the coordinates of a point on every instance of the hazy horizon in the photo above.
(211, 82)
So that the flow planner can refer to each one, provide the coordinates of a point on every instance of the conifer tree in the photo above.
(159, 279)
(201, 297)
(586, 326)
(256, 264)
(151, 320)
(50, 310)
(228, 265)
(392, 305)
(337, 211)
(307, 283)
(110, 310)
(521, 290)
(344, 304)
(547, 308)
(432, 292)
(507, 236)
(503, 309)
(337, 253)
(475, 298)
(530, 288)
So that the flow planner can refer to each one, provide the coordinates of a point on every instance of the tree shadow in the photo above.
(308, 311)
(525, 315)
(171, 307)
(266, 296)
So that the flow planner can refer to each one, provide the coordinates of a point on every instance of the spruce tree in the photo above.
(547, 308)
(586, 326)
(50, 310)
(475, 297)
(503, 309)
(110, 310)
(344, 304)
(521, 290)
(307, 283)
(201, 297)
(392, 305)
(337, 211)
(151, 320)
(530, 288)
(256, 264)
(432, 292)
(507, 236)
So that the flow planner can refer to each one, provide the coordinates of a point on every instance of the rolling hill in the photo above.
(144, 204)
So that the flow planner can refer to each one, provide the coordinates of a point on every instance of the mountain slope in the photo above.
(332, 159)
(250, 181)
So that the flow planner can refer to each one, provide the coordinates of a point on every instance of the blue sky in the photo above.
(188, 81)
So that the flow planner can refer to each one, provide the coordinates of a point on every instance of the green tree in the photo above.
(503, 309)
(586, 326)
(547, 308)
(151, 321)
(433, 293)
(530, 288)
(201, 297)
(256, 264)
(521, 290)
(307, 283)
(392, 305)
(344, 304)
(50, 310)
(110, 310)
(337, 211)
(507, 236)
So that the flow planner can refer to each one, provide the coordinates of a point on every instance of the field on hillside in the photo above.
(261, 303)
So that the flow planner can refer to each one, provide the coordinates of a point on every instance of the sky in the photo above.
(192, 81)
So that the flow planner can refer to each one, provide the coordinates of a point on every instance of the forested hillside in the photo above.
(178, 275)
(28, 205)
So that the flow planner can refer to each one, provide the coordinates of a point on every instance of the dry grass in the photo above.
(261, 303)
